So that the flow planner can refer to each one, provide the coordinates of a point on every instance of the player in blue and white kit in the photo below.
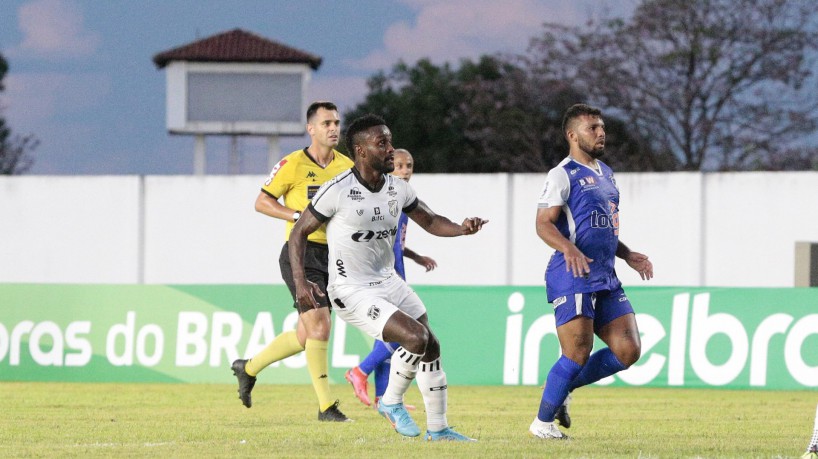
(361, 208)
(377, 360)
(578, 215)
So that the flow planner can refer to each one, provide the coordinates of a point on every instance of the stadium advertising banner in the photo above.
(738, 338)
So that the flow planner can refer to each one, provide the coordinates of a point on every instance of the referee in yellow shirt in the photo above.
(296, 178)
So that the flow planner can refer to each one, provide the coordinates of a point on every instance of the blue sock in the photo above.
(382, 377)
(556, 387)
(380, 352)
(601, 364)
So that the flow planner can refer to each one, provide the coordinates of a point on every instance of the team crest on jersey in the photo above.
(374, 312)
(393, 208)
(355, 194)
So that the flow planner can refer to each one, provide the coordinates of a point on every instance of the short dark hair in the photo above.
(575, 111)
(313, 108)
(359, 125)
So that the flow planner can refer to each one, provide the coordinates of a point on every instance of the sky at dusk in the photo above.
(81, 76)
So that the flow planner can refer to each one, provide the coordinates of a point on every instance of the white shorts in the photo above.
(370, 307)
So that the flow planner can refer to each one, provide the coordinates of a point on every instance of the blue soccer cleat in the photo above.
(447, 434)
(399, 418)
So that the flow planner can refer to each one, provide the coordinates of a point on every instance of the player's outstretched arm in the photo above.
(442, 226)
(305, 290)
(639, 262)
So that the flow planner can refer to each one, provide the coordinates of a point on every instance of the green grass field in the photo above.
(182, 420)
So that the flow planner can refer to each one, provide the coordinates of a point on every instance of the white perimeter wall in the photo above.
(731, 229)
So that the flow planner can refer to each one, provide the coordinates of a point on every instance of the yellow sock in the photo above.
(283, 346)
(318, 365)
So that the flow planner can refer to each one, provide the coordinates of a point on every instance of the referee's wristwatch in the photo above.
(296, 216)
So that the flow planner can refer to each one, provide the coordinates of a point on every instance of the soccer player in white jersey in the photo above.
(361, 208)
(578, 215)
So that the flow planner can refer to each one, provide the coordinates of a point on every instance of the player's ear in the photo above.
(570, 135)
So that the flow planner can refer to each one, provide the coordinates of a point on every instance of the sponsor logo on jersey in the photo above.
(311, 190)
(391, 191)
(560, 300)
(355, 195)
(341, 269)
(372, 284)
(368, 235)
(393, 208)
(273, 172)
(359, 212)
(587, 184)
(374, 312)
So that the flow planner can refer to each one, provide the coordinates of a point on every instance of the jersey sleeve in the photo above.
(556, 189)
(280, 179)
(411, 198)
(325, 202)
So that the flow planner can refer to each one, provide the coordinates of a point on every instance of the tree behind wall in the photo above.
(15, 151)
(488, 115)
(717, 84)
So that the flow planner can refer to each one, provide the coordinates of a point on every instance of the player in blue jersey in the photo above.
(578, 216)
(378, 359)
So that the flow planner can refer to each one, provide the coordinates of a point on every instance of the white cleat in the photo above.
(546, 430)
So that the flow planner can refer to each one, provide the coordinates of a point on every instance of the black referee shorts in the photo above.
(316, 259)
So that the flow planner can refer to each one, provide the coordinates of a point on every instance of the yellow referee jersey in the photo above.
(297, 177)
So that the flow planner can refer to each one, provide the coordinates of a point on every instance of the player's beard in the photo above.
(385, 167)
(591, 149)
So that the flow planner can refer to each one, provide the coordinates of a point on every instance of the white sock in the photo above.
(403, 371)
(432, 384)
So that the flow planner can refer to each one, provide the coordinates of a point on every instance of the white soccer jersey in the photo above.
(361, 227)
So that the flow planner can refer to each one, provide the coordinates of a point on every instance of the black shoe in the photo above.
(562, 415)
(333, 414)
(246, 382)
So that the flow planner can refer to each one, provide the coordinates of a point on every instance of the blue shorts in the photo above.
(603, 307)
